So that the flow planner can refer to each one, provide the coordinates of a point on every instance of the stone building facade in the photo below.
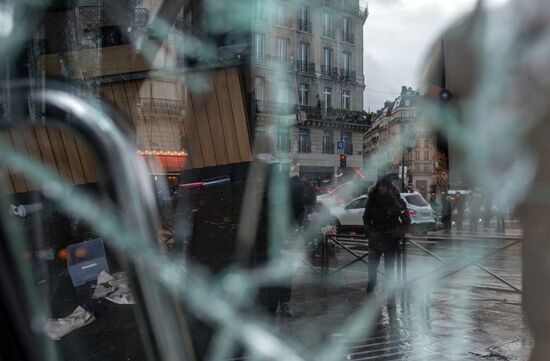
(398, 137)
(308, 82)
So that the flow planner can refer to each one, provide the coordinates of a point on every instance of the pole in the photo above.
(403, 172)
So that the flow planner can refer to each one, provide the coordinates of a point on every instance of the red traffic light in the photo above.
(342, 157)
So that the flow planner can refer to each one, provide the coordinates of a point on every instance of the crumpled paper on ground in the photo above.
(57, 328)
(114, 288)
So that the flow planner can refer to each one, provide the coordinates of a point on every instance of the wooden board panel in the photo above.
(75, 164)
(121, 101)
(60, 155)
(226, 113)
(215, 122)
(88, 160)
(203, 127)
(19, 182)
(5, 171)
(45, 147)
(131, 89)
(190, 125)
(239, 114)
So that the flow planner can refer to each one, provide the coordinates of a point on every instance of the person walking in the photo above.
(474, 205)
(310, 198)
(460, 206)
(446, 214)
(383, 219)
(501, 214)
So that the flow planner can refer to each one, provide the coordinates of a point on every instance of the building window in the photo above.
(282, 49)
(304, 142)
(346, 62)
(283, 139)
(303, 92)
(328, 142)
(281, 17)
(347, 35)
(259, 47)
(346, 100)
(260, 10)
(303, 57)
(303, 19)
(328, 29)
(348, 145)
(327, 61)
(327, 97)
(259, 89)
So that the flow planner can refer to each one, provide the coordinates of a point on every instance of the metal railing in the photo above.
(330, 71)
(305, 67)
(270, 107)
(304, 25)
(347, 75)
(347, 37)
(329, 33)
(161, 105)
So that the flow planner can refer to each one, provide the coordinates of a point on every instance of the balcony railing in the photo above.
(269, 107)
(330, 71)
(305, 67)
(282, 62)
(329, 33)
(337, 115)
(304, 25)
(161, 106)
(347, 37)
(347, 75)
(282, 21)
(259, 59)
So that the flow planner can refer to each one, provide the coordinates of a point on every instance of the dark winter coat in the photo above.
(383, 219)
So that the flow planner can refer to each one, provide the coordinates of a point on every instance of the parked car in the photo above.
(423, 217)
(349, 217)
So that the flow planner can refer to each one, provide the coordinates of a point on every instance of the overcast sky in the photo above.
(397, 36)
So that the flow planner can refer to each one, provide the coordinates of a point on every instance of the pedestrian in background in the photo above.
(447, 213)
(310, 198)
(459, 206)
(384, 214)
(474, 205)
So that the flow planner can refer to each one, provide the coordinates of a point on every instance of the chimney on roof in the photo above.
(403, 89)
(387, 103)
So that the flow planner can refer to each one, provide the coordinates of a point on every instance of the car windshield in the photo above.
(416, 200)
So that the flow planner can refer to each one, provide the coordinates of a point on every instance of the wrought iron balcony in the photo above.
(330, 71)
(347, 75)
(329, 33)
(282, 21)
(304, 25)
(269, 107)
(282, 62)
(347, 37)
(305, 67)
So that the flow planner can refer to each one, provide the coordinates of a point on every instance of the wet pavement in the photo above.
(469, 315)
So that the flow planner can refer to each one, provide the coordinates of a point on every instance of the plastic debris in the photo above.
(57, 328)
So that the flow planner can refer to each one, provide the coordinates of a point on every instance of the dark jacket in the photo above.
(310, 197)
(383, 217)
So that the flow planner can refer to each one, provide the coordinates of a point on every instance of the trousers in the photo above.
(373, 262)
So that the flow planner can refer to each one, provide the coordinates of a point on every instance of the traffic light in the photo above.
(343, 158)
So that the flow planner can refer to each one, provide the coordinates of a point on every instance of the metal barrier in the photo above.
(448, 269)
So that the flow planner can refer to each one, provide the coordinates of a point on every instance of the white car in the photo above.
(423, 217)
(349, 217)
